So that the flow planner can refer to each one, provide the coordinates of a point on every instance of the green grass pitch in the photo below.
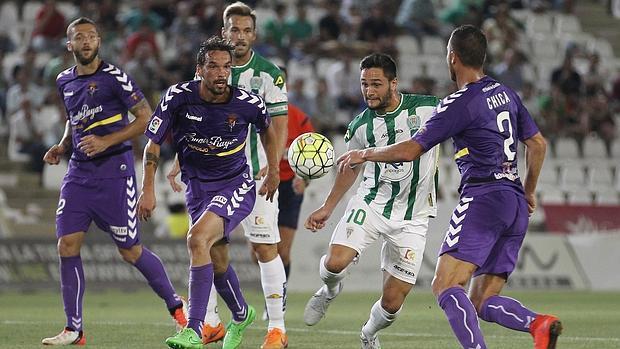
(139, 320)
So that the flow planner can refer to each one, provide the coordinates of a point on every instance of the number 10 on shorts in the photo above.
(358, 216)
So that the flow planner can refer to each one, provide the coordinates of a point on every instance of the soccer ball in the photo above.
(311, 155)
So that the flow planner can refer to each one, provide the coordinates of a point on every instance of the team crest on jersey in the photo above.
(255, 83)
(92, 88)
(231, 120)
(413, 122)
(134, 97)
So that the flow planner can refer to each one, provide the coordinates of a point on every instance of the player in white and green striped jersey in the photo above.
(394, 201)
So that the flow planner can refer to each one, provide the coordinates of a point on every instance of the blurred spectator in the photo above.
(210, 13)
(509, 71)
(566, 77)
(503, 32)
(24, 100)
(275, 40)
(297, 96)
(594, 79)
(143, 68)
(54, 66)
(376, 25)
(4, 85)
(185, 32)
(6, 44)
(49, 27)
(144, 35)
(140, 15)
(177, 222)
(343, 82)
(326, 108)
(418, 18)
(299, 30)
(601, 120)
(423, 85)
(181, 69)
(463, 12)
(551, 108)
(329, 25)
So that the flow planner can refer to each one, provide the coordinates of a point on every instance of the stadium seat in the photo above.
(435, 46)
(566, 148)
(545, 47)
(572, 176)
(580, 196)
(538, 23)
(552, 196)
(9, 21)
(567, 24)
(407, 45)
(594, 147)
(54, 174)
(606, 197)
(602, 47)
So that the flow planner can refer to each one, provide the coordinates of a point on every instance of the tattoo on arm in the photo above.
(141, 108)
(152, 160)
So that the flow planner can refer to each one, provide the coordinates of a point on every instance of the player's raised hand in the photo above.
(52, 156)
(172, 176)
(349, 160)
(270, 185)
(92, 145)
(146, 205)
(317, 219)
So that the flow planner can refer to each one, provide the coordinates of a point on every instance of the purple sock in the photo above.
(507, 312)
(72, 284)
(153, 270)
(462, 317)
(200, 281)
(227, 285)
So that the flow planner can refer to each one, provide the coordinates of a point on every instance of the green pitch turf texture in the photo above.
(139, 320)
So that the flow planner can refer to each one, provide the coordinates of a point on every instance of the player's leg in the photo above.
(287, 235)
(261, 229)
(491, 277)
(152, 268)
(385, 310)
(72, 220)
(288, 219)
(401, 259)
(349, 240)
(121, 222)
(207, 230)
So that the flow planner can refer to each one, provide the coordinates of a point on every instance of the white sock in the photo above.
(378, 320)
(273, 280)
(212, 318)
(331, 280)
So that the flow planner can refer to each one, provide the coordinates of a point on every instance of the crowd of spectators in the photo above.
(155, 41)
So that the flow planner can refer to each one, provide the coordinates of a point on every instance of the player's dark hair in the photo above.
(380, 60)
(470, 45)
(214, 43)
(81, 20)
(239, 9)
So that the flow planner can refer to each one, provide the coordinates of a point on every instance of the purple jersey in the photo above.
(209, 138)
(97, 104)
(485, 119)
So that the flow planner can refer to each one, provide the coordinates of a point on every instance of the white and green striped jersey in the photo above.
(398, 191)
(265, 79)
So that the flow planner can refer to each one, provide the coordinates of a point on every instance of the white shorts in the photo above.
(403, 241)
(261, 225)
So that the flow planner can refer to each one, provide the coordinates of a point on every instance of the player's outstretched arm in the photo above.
(93, 145)
(55, 152)
(280, 125)
(271, 143)
(147, 200)
(534, 158)
(344, 181)
(408, 150)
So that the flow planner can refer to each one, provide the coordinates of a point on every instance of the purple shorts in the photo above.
(232, 200)
(110, 202)
(488, 230)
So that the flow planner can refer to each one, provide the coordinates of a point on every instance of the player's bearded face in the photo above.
(376, 89)
(241, 32)
(85, 43)
(449, 60)
(215, 72)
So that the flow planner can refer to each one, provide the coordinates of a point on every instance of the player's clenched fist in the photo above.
(52, 156)
(317, 219)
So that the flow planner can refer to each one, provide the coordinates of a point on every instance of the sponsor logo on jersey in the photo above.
(193, 117)
(279, 81)
(92, 88)
(397, 131)
(211, 143)
(396, 171)
(219, 199)
(84, 113)
(255, 83)
(120, 231)
(259, 220)
(154, 124)
(68, 93)
(409, 255)
(403, 270)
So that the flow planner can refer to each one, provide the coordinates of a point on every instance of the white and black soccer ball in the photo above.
(311, 155)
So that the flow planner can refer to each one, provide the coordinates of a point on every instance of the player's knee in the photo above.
(265, 252)
(131, 255)
(68, 247)
(335, 264)
(197, 241)
(438, 285)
